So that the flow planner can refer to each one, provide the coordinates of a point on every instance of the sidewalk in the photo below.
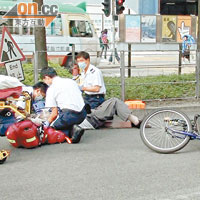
(146, 66)
(187, 104)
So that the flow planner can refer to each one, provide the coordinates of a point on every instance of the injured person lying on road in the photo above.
(106, 111)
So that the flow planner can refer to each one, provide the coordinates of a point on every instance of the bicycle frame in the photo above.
(171, 130)
(190, 134)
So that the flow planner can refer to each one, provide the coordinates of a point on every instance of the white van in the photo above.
(71, 27)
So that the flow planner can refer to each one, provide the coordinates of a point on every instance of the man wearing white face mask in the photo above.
(37, 93)
(91, 81)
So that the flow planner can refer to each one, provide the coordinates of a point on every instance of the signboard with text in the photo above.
(14, 69)
(11, 55)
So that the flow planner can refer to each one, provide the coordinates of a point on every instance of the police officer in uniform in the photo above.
(90, 81)
(65, 99)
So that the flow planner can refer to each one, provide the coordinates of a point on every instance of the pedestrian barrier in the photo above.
(133, 64)
(124, 73)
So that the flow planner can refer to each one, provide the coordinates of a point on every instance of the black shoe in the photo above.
(77, 133)
(136, 126)
(139, 124)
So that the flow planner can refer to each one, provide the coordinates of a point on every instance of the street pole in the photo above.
(40, 41)
(198, 54)
(198, 33)
(122, 72)
(113, 30)
(129, 54)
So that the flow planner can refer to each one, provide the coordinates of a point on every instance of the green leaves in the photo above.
(152, 87)
(29, 72)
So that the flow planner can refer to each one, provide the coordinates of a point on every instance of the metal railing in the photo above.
(127, 65)
(135, 64)
(128, 69)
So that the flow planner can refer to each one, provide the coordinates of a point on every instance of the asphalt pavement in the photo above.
(108, 164)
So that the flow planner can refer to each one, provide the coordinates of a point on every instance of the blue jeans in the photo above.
(116, 56)
(67, 118)
(94, 100)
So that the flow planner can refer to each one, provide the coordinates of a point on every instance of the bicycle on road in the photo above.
(169, 130)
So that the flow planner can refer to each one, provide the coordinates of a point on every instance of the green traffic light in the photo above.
(107, 7)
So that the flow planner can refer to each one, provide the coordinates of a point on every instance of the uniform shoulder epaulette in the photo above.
(92, 70)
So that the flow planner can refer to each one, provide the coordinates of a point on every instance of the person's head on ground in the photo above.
(83, 60)
(47, 75)
(39, 90)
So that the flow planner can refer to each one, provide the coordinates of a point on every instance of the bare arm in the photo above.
(53, 114)
(95, 88)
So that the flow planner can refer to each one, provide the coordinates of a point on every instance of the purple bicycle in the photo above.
(169, 130)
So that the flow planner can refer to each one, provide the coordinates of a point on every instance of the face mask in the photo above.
(39, 97)
(82, 65)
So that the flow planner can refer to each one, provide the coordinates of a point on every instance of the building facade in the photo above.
(147, 7)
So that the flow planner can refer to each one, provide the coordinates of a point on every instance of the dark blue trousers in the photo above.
(94, 100)
(67, 118)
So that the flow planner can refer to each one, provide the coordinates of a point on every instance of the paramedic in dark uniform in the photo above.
(65, 99)
(90, 81)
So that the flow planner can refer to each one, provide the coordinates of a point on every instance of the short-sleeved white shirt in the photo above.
(93, 77)
(65, 94)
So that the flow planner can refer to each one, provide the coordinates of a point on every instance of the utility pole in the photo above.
(198, 33)
(113, 29)
(198, 54)
(40, 42)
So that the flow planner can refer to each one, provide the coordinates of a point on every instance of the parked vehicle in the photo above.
(71, 28)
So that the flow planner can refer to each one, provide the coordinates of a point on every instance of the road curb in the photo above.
(184, 108)
(181, 107)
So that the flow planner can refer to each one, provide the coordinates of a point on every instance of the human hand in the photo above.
(36, 120)
(183, 30)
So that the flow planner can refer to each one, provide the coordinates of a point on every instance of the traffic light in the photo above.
(107, 7)
(119, 6)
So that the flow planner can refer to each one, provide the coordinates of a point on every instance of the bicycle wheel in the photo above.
(160, 130)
